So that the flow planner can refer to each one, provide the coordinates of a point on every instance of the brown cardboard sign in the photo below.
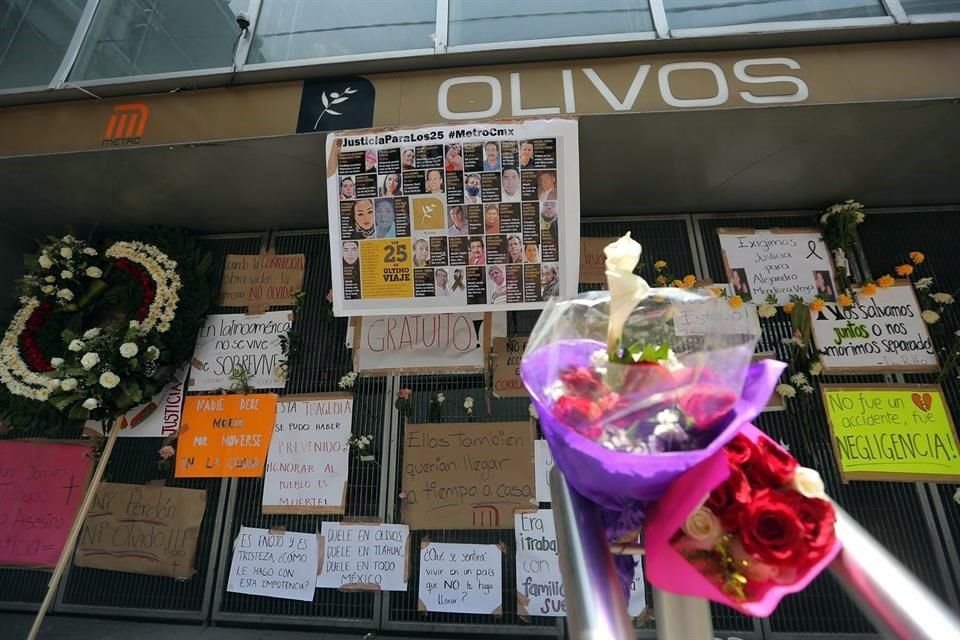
(506, 367)
(593, 269)
(259, 282)
(142, 529)
(775, 403)
(467, 476)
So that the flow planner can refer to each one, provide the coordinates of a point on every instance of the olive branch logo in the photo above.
(332, 99)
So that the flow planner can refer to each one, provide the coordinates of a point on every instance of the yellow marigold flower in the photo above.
(735, 302)
(660, 265)
(677, 283)
(716, 291)
(885, 282)
(662, 281)
(844, 300)
(816, 305)
(788, 308)
(916, 257)
(689, 281)
(869, 290)
(904, 270)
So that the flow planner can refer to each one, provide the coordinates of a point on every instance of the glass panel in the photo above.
(920, 7)
(685, 14)
(304, 29)
(34, 35)
(478, 22)
(140, 37)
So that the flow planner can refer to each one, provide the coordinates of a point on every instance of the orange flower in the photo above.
(660, 265)
(677, 283)
(717, 292)
(869, 290)
(816, 305)
(735, 302)
(887, 281)
(689, 281)
(904, 270)
(788, 308)
(844, 300)
(916, 257)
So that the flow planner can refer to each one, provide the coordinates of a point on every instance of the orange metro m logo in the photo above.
(126, 125)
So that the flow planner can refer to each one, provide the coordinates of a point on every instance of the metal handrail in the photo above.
(894, 601)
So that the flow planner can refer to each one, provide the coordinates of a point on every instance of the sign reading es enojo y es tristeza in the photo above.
(476, 217)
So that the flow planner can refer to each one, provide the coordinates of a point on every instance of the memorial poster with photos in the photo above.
(471, 217)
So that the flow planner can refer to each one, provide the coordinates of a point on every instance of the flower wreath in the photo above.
(99, 333)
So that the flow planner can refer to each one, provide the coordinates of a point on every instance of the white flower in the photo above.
(555, 391)
(816, 368)
(45, 261)
(68, 238)
(108, 379)
(667, 417)
(599, 359)
(798, 379)
(930, 317)
(68, 384)
(48, 289)
(90, 404)
(90, 251)
(50, 279)
(152, 353)
(66, 274)
(89, 360)
(923, 284)
(840, 259)
(441, 398)
(532, 410)
(91, 333)
(65, 294)
(56, 362)
(347, 381)
(626, 288)
(792, 341)
(766, 310)
(942, 298)
(808, 482)
(129, 349)
(702, 529)
(786, 391)
(956, 496)
(163, 327)
(66, 252)
(468, 403)
(784, 445)
(806, 389)
(93, 272)
(76, 345)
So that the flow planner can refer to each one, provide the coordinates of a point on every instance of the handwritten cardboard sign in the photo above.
(543, 463)
(309, 453)
(225, 436)
(41, 487)
(229, 341)
(364, 557)
(460, 578)
(467, 476)
(714, 315)
(880, 334)
(540, 589)
(775, 402)
(507, 353)
(592, 260)
(142, 529)
(158, 418)
(778, 262)
(259, 282)
(274, 565)
(892, 432)
(430, 343)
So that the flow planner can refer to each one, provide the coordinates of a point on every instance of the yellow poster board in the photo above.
(387, 268)
(900, 433)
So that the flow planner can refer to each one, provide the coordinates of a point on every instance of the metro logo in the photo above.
(126, 125)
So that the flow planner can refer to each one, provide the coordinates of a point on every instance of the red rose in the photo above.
(818, 519)
(648, 377)
(729, 499)
(579, 414)
(739, 450)
(706, 404)
(771, 530)
(583, 382)
(770, 466)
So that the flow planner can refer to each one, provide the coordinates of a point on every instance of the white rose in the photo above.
(68, 238)
(93, 272)
(152, 353)
(942, 298)
(76, 345)
(766, 310)
(809, 483)
(91, 333)
(626, 288)
(68, 384)
(703, 529)
(816, 369)
(66, 252)
(129, 349)
(90, 251)
(930, 317)
(89, 360)
(45, 261)
(48, 289)
(786, 391)
(90, 404)
(50, 279)
(65, 294)
(56, 362)
(108, 380)
(468, 403)
(66, 274)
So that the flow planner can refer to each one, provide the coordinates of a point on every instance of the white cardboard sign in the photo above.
(276, 566)
(363, 556)
(460, 578)
(543, 461)
(638, 595)
(416, 343)
(229, 341)
(309, 454)
(540, 589)
(714, 315)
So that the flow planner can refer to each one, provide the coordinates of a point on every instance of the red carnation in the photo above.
(770, 466)
(583, 382)
(729, 499)
(772, 532)
(818, 518)
(579, 414)
(739, 450)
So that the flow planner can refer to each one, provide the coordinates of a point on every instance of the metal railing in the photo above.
(894, 601)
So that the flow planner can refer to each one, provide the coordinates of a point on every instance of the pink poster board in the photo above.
(41, 487)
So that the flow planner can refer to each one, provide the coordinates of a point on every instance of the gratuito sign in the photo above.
(363, 556)
(892, 432)
(540, 589)
(429, 343)
(274, 565)
(460, 578)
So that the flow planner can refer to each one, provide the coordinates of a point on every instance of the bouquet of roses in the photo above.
(744, 528)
